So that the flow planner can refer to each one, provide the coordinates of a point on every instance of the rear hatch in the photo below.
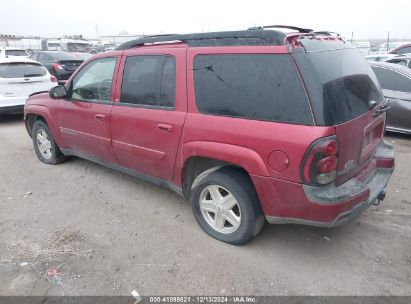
(70, 65)
(344, 93)
(67, 61)
(19, 79)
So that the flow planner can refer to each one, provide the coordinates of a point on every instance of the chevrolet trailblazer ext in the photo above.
(250, 126)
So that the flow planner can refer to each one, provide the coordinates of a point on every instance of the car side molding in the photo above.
(148, 178)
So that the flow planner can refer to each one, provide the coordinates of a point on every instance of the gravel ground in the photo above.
(100, 232)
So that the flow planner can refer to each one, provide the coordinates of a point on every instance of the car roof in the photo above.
(392, 66)
(51, 52)
(390, 56)
(402, 56)
(13, 59)
(403, 45)
(8, 48)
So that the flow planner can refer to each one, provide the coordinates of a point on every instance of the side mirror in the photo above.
(58, 92)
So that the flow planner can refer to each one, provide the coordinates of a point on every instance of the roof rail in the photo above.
(295, 28)
(232, 38)
(158, 35)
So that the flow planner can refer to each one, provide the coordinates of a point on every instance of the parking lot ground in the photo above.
(100, 232)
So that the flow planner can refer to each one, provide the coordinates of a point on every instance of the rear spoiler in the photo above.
(36, 93)
(294, 39)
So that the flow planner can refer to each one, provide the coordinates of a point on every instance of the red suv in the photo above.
(250, 126)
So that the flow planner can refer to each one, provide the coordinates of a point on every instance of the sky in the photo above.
(51, 18)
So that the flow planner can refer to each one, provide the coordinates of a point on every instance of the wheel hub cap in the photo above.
(44, 144)
(220, 209)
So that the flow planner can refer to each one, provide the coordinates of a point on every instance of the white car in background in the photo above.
(20, 77)
(11, 51)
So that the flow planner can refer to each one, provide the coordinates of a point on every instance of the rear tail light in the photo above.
(56, 66)
(320, 162)
(53, 78)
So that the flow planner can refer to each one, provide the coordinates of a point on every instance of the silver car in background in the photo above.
(380, 57)
(395, 80)
(404, 60)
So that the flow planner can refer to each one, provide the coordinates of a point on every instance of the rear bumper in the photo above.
(11, 105)
(374, 189)
(12, 109)
(12, 101)
(330, 205)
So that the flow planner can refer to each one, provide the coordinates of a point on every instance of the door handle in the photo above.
(100, 117)
(164, 127)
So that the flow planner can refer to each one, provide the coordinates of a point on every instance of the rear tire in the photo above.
(226, 206)
(44, 144)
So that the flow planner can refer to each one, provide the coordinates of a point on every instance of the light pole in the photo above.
(97, 31)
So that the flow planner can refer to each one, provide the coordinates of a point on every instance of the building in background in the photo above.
(28, 43)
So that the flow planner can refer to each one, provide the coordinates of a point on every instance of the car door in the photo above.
(84, 116)
(148, 115)
(397, 90)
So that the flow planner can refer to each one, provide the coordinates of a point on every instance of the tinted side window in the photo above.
(391, 80)
(168, 83)
(149, 80)
(404, 50)
(262, 87)
(400, 62)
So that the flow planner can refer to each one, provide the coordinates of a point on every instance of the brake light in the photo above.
(53, 78)
(331, 147)
(320, 162)
(327, 164)
(56, 66)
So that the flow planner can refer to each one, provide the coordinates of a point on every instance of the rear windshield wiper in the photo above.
(32, 75)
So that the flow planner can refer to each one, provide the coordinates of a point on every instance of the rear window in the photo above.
(61, 56)
(340, 84)
(253, 86)
(16, 53)
(21, 70)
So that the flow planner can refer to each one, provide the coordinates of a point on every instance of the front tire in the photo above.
(226, 206)
(44, 144)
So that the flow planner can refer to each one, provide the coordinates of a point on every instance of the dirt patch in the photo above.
(50, 260)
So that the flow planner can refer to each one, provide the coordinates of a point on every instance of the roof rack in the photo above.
(295, 28)
(232, 38)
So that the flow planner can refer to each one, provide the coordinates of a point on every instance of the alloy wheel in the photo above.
(220, 209)
(44, 144)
